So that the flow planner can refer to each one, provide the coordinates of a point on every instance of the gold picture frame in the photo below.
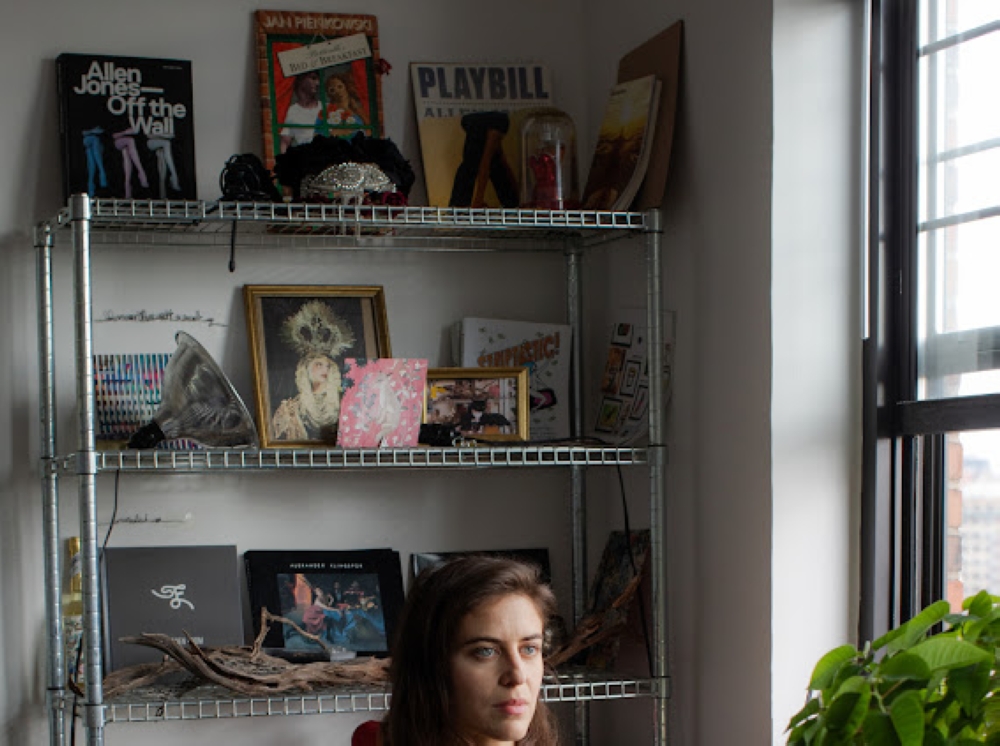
(489, 404)
(299, 338)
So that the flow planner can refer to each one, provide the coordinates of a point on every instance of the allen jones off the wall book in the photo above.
(127, 126)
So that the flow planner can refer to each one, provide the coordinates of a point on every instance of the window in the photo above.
(932, 438)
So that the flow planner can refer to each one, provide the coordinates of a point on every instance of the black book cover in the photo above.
(349, 598)
(126, 126)
(178, 591)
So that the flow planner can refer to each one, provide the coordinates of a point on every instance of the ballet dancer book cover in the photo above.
(469, 121)
(127, 126)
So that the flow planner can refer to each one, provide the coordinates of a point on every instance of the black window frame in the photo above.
(903, 438)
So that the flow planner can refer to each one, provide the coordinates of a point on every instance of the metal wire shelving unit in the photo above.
(88, 223)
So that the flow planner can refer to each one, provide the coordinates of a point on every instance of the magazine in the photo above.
(128, 391)
(469, 122)
(621, 155)
(661, 56)
(623, 411)
(126, 126)
(320, 74)
(543, 348)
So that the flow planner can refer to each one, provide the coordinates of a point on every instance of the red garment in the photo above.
(367, 734)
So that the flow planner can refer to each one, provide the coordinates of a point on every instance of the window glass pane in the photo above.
(958, 310)
(942, 18)
(972, 514)
(958, 264)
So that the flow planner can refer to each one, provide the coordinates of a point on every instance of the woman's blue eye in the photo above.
(530, 650)
(484, 652)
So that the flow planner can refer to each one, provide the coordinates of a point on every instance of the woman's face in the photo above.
(319, 371)
(336, 91)
(496, 671)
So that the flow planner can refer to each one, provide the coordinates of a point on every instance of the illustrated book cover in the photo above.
(383, 403)
(469, 120)
(177, 591)
(319, 74)
(126, 126)
(621, 154)
(541, 347)
(349, 599)
(659, 56)
(128, 391)
(623, 410)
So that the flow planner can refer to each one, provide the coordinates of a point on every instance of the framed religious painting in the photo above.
(300, 336)
(488, 404)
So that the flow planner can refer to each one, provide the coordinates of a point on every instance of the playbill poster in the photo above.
(469, 121)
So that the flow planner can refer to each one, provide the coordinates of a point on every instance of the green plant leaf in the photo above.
(827, 667)
(970, 685)
(847, 711)
(878, 730)
(904, 666)
(912, 631)
(907, 714)
(811, 708)
(941, 652)
(979, 605)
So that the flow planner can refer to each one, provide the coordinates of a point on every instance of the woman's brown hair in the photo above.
(420, 671)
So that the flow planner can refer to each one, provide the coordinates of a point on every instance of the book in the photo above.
(623, 410)
(621, 155)
(543, 348)
(319, 74)
(383, 403)
(126, 126)
(128, 391)
(348, 598)
(660, 56)
(420, 561)
(178, 591)
(469, 124)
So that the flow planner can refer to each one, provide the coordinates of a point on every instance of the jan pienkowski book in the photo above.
(621, 155)
(126, 126)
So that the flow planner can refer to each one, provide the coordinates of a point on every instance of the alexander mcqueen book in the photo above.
(543, 348)
(621, 155)
(469, 121)
(127, 126)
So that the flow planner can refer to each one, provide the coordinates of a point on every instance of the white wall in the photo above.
(743, 450)
(816, 312)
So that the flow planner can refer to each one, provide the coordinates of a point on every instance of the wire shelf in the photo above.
(236, 459)
(165, 703)
(330, 226)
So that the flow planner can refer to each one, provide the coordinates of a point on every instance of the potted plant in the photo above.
(920, 684)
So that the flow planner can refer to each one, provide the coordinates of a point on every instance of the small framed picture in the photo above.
(349, 599)
(300, 336)
(483, 403)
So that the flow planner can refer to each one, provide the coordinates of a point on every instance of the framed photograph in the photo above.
(483, 403)
(300, 336)
(320, 74)
(350, 599)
